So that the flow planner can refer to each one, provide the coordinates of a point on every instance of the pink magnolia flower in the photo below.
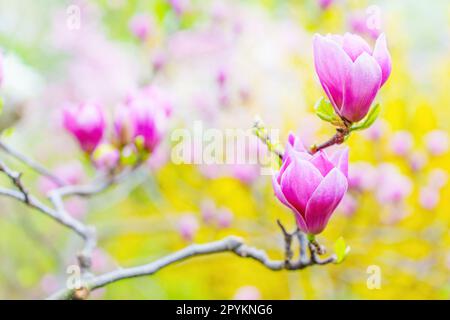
(375, 131)
(348, 205)
(208, 211)
(180, 6)
(71, 173)
(358, 22)
(428, 198)
(188, 227)
(325, 4)
(401, 142)
(144, 115)
(417, 160)
(361, 176)
(312, 186)
(437, 178)
(87, 123)
(224, 218)
(106, 157)
(247, 293)
(437, 142)
(392, 186)
(350, 72)
(140, 26)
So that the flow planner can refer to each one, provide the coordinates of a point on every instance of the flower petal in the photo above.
(324, 200)
(382, 56)
(340, 160)
(321, 161)
(301, 222)
(332, 64)
(354, 46)
(298, 183)
(361, 87)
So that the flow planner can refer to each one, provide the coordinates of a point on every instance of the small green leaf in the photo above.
(340, 249)
(325, 111)
(368, 120)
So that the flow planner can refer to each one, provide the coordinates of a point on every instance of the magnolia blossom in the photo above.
(428, 198)
(87, 123)
(348, 205)
(71, 173)
(208, 211)
(140, 26)
(375, 131)
(437, 142)
(417, 160)
(106, 157)
(361, 176)
(325, 4)
(401, 143)
(350, 72)
(144, 115)
(224, 218)
(312, 186)
(392, 186)
(358, 22)
(188, 227)
(247, 293)
(437, 178)
(180, 6)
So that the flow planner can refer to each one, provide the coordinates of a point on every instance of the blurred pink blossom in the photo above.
(71, 173)
(106, 157)
(437, 178)
(392, 186)
(375, 131)
(358, 22)
(224, 218)
(140, 26)
(208, 211)
(144, 114)
(401, 143)
(188, 226)
(247, 293)
(437, 142)
(180, 6)
(86, 122)
(325, 4)
(362, 176)
(417, 160)
(348, 205)
(428, 198)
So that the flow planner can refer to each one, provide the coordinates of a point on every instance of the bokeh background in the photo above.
(223, 62)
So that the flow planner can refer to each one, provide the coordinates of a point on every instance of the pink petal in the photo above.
(324, 200)
(361, 87)
(340, 160)
(382, 56)
(298, 183)
(320, 161)
(332, 64)
(279, 194)
(354, 46)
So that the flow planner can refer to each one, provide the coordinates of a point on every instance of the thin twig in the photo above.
(230, 244)
(31, 163)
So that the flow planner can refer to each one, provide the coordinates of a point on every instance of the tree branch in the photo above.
(230, 244)
(31, 163)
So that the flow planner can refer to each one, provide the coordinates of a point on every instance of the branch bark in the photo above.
(230, 244)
